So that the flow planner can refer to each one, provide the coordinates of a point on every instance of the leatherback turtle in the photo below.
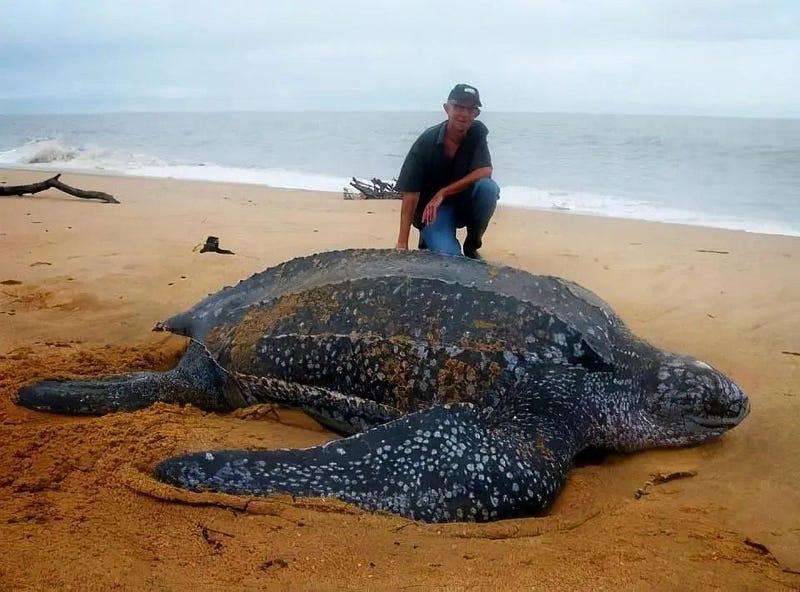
(466, 389)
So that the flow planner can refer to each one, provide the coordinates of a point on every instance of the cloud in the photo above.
(733, 57)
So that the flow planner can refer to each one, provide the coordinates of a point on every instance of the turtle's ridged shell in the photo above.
(260, 302)
(397, 341)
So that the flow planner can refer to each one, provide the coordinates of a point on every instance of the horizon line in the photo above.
(378, 110)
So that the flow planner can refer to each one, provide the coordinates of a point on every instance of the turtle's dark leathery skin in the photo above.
(466, 389)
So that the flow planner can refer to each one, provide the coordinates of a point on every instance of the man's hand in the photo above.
(402, 245)
(429, 214)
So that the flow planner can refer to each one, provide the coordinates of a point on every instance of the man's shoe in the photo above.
(473, 254)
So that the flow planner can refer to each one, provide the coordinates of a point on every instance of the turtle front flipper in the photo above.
(442, 464)
(196, 380)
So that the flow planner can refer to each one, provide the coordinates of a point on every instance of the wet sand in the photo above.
(83, 283)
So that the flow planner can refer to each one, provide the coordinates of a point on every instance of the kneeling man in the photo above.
(446, 180)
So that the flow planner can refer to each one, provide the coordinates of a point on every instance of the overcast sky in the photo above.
(704, 57)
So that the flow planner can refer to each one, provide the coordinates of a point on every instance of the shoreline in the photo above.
(83, 283)
(116, 174)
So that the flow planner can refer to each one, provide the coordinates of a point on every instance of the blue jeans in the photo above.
(474, 209)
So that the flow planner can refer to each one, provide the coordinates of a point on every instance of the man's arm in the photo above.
(407, 210)
(409, 182)
(429, 214)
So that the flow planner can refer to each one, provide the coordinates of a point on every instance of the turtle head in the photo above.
(691, 402)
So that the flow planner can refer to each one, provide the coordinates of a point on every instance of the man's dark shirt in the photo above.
(427, 169)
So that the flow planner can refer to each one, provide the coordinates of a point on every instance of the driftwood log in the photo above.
(373, 189)
(54, 183)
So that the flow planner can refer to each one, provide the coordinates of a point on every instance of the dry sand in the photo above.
(83, 284)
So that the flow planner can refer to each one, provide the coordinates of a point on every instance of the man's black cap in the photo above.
(465, 92)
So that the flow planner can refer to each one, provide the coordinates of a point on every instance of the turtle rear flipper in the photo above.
(196, 380)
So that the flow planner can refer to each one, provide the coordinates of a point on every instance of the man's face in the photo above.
(461, 114)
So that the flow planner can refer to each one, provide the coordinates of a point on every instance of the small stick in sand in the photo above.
(212, 246)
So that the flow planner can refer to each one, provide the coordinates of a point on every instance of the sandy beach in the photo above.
(83, 283)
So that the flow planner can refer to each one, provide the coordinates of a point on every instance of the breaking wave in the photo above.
(55, 154)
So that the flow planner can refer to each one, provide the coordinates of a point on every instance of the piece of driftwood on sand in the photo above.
(54, 183)
(373, 189)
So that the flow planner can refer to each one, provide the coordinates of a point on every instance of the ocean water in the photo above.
(721, 172)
